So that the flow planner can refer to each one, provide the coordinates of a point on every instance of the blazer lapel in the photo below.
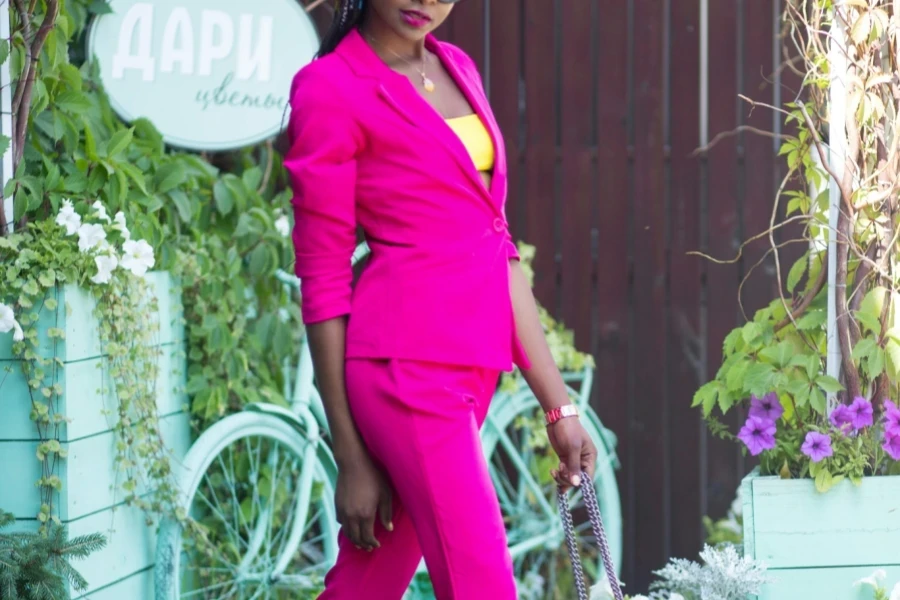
(471, 88)
(402, 96)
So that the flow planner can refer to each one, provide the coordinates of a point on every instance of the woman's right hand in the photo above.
(363, 494)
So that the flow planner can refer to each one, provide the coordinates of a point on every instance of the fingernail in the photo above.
(390, 526)
(576, 480)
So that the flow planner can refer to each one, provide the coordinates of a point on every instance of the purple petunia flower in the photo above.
(817, 446)
(767, 408)
(841, 417)
(861, 413)
(758, 435)
(892, 445)
(891, 417)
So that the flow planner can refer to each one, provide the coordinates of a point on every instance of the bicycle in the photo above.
(257, 519)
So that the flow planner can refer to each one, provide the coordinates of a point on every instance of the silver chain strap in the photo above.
(593, 510)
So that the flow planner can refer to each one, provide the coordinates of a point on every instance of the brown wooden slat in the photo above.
(684, 340)
(758, 198)
(722, 226)
(612, 333)
(578, 174)
(541, 112)
(505, 71)
(468, 29)
(649, 315)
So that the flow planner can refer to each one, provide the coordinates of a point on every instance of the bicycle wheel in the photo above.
(260, 523)
(520, 459)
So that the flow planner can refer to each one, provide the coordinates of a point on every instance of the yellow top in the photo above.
(475, 137)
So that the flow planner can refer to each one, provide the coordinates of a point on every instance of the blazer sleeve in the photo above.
(324, 144)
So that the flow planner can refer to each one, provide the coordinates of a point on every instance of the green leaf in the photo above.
(863, 348)
(824, 481)
(813, 319)
(780, 355)
(73, 102)
(751, 331)
(170, 176)
(223, 196)
(797, 271)
(758, 380)
(182, 205)
(734, 379)
(829, 384)
(876, 363)
(817, 400)
(705, 396)
(119, 142)
(869, 322)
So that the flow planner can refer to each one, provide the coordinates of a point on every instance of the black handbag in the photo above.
(593, 510)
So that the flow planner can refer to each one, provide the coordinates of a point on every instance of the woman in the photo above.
(390, 131)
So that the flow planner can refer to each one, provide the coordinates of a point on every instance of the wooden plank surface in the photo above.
(832, 583)
(722, 228)
(90, 411)
(503, 87)
(74, 316)
(611, 336)
(578, 138)
(137, 586)
(541, 118)
(648, 391)
(684, 328)
(89, 475)
(795, 526)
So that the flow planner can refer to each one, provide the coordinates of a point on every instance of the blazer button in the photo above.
(499, 225)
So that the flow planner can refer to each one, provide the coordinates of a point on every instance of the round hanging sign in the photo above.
(209, 74)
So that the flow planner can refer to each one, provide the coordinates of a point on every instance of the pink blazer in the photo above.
(367, 150)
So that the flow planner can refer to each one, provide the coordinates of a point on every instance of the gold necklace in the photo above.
(427, 83)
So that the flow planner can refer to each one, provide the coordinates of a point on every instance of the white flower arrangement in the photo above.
(136, 255)
(8, 323)
(875, 582)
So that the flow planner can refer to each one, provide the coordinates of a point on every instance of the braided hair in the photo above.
(347, 15)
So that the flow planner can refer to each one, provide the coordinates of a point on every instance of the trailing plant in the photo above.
(96, 253)
(773, 365)
(37, 567)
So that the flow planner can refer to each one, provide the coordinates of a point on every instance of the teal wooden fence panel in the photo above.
(818, 545)
(90, 500)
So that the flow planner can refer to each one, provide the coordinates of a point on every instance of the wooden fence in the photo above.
(600, 103)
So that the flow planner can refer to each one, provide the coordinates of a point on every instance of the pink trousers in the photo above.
(420, 422)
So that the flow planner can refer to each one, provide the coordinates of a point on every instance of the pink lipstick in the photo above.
(415, 19)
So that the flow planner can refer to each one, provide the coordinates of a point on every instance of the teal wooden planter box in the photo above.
(818, 545)
(90, 500)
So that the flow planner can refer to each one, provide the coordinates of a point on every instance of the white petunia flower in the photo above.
(8, 323)
(7, 318)
(283, 225)
(68, 218)
(90, 236)
(874, 580)
(895, 593)
(106, 264)
(603, 591)
(137, 257)
(121, 226)
(100, 211)
(676, 596)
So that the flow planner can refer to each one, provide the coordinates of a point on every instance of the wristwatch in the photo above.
(561, 412)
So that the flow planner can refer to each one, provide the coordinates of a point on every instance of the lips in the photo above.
(415, 18)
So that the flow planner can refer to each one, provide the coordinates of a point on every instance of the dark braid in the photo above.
(347, 15)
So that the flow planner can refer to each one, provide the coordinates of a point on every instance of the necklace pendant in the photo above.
(428, 84)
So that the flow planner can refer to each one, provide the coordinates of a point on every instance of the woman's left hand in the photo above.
(575, 449)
